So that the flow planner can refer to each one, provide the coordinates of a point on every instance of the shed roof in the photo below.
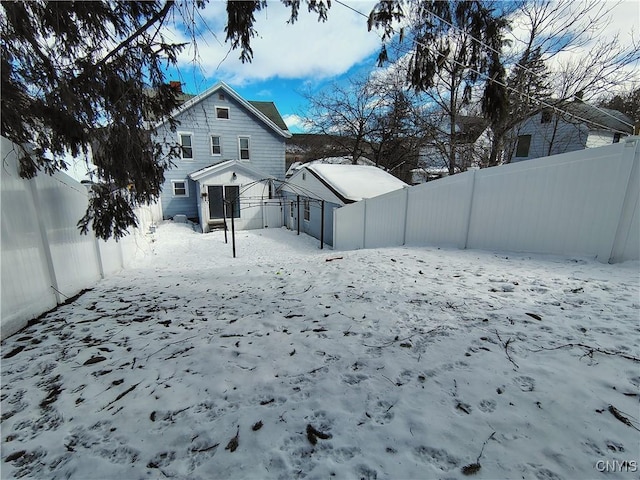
(352, 183)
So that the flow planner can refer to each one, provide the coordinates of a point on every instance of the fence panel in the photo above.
(579, 203)
(348, 226)
(26, 284)
(438, 211)
(386, 219)
(61, 202)
(566, 204)
(45, 259)
(627, 241)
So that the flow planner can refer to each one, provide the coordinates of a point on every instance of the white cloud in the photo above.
(306, 49)
(295, 122)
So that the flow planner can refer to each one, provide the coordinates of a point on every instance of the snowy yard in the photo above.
(294, 362)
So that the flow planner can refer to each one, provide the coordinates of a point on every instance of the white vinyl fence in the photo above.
(581, 203)
(45, 259)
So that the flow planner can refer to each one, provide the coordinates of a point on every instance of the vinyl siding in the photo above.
(552, 138)
(267, 148)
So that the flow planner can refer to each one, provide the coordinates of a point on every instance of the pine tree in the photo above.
(75, 76)
(457, 49)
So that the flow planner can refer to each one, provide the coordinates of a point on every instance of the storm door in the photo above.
(221, 200)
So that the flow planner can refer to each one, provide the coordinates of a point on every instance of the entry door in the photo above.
(220, 200)
(216, 202)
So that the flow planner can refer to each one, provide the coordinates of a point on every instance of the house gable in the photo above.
(263, 111)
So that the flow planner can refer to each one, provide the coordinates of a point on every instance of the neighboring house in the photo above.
(228, 147)
(572, 126)
(322, 187)
(470, 143)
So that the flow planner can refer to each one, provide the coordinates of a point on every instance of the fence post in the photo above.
(96, 242)
(470, 209)
(364, 224)
(298, 212)
(322, 226)
(406, 214)
(632, 192)
(46, 247)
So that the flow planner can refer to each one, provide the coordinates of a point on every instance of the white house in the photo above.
(571, 126)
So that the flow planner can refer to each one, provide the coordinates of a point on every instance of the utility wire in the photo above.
(541, 102)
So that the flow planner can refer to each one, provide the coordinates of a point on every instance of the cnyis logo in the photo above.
(617, 465)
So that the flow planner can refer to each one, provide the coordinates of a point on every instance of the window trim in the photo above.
(211, 137)
(186, 188)
(306, 210)
(520, 137)
(248, 138)
(227, 109)
(185, 134)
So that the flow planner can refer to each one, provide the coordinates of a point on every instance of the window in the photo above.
(545, 116)
(304, 176)
(186, 148)
(244, 148)
(292, 212)
(616, 137)
(306, 209)
(180, 188)
(522, 149)
(216, 148)
(222, 112)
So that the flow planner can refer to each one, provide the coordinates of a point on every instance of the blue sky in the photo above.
(291, 59)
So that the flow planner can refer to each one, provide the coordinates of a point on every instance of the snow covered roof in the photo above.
(353, 183)
(329, 160)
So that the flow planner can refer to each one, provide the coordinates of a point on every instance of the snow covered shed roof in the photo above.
(332, 160)
(352, 183)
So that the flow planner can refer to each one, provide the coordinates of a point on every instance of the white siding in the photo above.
(551, 138)
(306, 184)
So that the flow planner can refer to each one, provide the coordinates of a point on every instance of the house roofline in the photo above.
(210, 91)
(211, 169)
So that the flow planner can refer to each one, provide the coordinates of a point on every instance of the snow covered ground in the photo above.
(294, 362)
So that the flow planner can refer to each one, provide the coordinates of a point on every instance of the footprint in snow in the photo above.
(526, 384)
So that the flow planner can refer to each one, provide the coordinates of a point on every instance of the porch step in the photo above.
(215, 225)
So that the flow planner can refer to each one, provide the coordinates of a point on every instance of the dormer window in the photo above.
(222, 113)
(545, 116)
